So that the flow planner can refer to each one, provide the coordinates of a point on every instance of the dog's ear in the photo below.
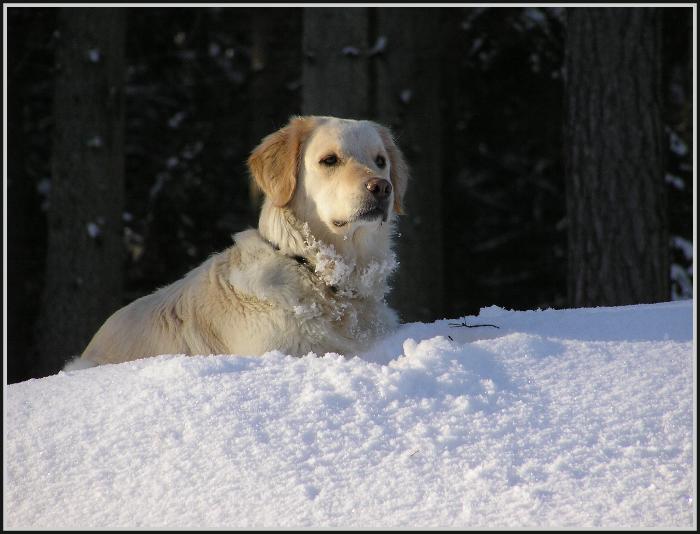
(274, 164)
(399, 168)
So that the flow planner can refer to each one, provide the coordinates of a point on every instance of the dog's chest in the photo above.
(333, 319)
(291, 308)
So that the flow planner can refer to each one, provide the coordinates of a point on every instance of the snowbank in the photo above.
(574, 418)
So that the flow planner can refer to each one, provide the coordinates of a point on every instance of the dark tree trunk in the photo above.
(24, 228)
(408, 101)
(335, 69)
(275, 80)
(84, 257)
(618, 236)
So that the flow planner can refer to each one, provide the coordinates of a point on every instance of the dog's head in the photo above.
(335, 173)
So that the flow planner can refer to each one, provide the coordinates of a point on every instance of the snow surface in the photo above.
(571, 418)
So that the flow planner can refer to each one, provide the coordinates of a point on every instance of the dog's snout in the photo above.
(379, 187)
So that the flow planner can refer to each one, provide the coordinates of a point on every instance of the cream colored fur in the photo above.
(259, 295)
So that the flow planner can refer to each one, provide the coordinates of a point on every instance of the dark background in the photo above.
(477, 97)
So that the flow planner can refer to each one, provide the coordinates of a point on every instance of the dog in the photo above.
(312, 278)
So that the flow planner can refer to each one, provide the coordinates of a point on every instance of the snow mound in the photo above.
(571, 418)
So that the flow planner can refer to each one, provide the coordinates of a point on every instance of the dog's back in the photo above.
(159, 323)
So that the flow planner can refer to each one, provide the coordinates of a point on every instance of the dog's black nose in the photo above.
(379, 187)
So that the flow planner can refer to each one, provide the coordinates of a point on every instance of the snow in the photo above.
(676, 181)
(681, 277)
(95, 141)
(352, 51)
(214, 49)
(677, 145)
(93, 229)
(684, 246)
(559, 418)
(94, 55)
(349, 279)
(43, 187)
(176, 120)
(379, 46)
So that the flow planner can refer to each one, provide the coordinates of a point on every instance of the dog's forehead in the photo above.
(346, 135)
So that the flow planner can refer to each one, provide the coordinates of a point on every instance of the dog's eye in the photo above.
(380, 161)
(330, 160)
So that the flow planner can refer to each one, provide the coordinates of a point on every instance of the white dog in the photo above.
(311, 278)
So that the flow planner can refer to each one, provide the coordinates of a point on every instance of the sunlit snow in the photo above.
(570, 418)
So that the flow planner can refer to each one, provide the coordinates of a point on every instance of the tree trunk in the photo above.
(617, 221)
(275, 80)
(335, 70)
(84, 257)
(24, 261)
(408, 101)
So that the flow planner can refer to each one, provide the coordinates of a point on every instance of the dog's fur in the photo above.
(311, 278)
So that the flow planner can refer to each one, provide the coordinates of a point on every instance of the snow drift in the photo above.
(572, 418)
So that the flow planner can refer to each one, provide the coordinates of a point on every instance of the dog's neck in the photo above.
(356, 264)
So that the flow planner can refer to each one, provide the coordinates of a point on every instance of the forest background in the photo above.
(551, 151)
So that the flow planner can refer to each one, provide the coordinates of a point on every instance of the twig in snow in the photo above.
(473, 325)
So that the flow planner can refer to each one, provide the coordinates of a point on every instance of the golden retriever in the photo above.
(311, 278)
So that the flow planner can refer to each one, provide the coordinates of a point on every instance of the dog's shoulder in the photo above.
(257, 269)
